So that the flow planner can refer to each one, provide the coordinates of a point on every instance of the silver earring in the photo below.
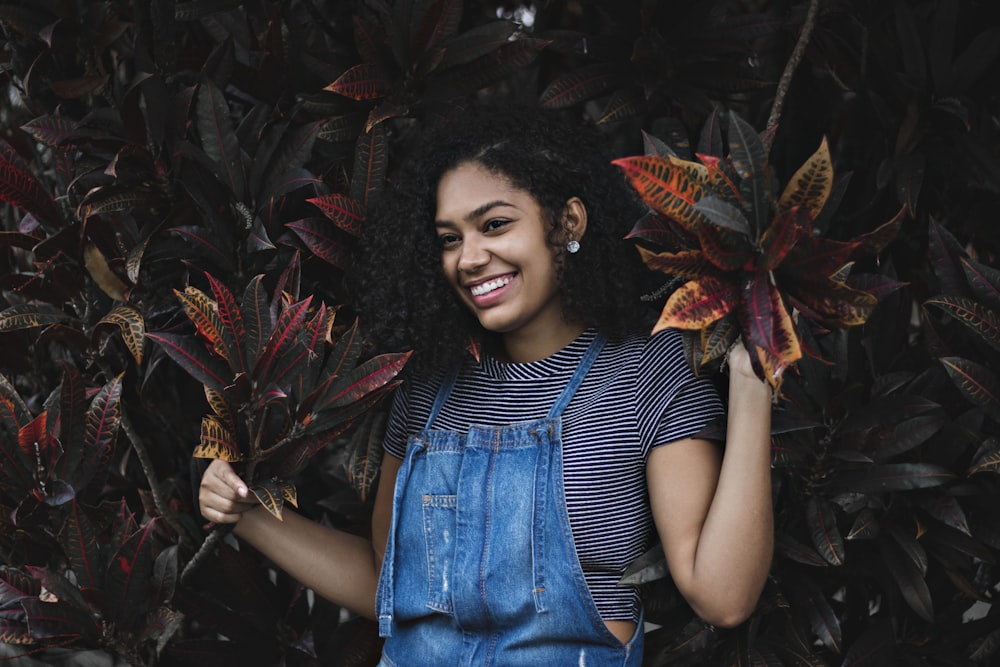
(573, 247)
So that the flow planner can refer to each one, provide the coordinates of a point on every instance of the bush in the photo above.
(182, 184)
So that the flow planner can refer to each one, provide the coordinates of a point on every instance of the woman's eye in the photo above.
(494, 224)
(448, 240)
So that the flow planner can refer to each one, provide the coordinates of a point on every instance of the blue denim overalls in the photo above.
(480, 567)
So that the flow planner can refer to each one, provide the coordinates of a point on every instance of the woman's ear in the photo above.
(574, 219)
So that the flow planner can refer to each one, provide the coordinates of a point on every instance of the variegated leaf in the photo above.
(987, 458)
(272, 495)
(370, 164)
(132, 327)
(204, 314)
(18, 186)
(833, 303)
(810, 186)
(769, 327)
(579, 85)
(689, 264)
(669, 186)
(865, 526)
(984, 281)
(823, 530)
(973, 315)
(781, 236)
(284, 336)
(219, 404)
(29, 316)
(99, 269)
(366, 81)
(216, 442)
(346, 213)
(718, 338)
(233, 329)
(257, 315)
(977, 383)
(698, 303)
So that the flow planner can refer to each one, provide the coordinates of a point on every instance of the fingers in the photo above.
(223, 495)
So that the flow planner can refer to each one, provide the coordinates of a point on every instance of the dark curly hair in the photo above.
(401, 294)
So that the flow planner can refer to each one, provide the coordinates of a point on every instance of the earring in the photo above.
(573, 247)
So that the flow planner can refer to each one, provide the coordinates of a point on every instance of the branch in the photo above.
(139, 447)
(204, 551)
(786, 77)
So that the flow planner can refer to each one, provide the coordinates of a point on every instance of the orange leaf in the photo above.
(698, 303)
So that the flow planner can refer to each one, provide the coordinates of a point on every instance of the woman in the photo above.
(517, 487)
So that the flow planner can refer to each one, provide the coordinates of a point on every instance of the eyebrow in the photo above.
(479, 211)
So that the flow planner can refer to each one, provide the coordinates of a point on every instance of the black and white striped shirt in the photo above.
(639, 394)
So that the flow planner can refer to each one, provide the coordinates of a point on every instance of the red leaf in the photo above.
(129, 575)
(257, 314)
(579, 85)
(366, 81)
(876, 240)
(341, 391)
(439, 22)
(51, 130)
(80, 544)
(191, 355)
(669, 185)
(218, 139)
(781, 236)
(345, 212)
(320, 237)
(102, 421)
(19, 187)
(370, 163)
(698, 303)
(769, 327)
(728, 251)
(285, 334)
(689, 264)
(232, 322)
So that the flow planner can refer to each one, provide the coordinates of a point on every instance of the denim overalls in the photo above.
(480, 567)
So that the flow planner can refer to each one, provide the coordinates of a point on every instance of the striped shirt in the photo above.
(639, 394)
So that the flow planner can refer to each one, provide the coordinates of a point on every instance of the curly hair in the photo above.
(400, 290)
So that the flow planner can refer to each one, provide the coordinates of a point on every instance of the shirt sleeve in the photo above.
(671, 402)
(396, 429)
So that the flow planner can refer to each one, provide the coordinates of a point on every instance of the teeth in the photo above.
(488, 287)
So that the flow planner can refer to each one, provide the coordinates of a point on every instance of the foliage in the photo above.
(195, 174)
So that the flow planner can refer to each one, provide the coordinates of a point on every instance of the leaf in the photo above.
(948, 511)
(321, 238)
(769, 327)
(910, 434)
(810, 186)
(876, 646)
(984, 281)
(132, 327)
(798, 552)
(823, 530)
(945, 254)
(342, 390)
(439, 22)
(284, 336)
(877, 479)
(722, 214)
(370, 164)
(780, 237)
(19, 187)
(51, 130)
(346, 213)
(80, 546)
(272, 494)
(977, 383)
(832, 303)
(218, 138)
(366, 81)
(477, 42)
(257, 315)
(191, 355)
(749, 158)
(290, 151)
(876, 240)
(366, 456)
(987, 458)
(865, 526)
(908, 579)
(718, 340)
(101, 427)
(233, 329)
(99, 269)
(29, 316)
(579, 85)
(128, 577)
(650, 566)
(72, 411)
(496, 65)
(698, 303)
(667, 187)
(688, 264)
(53, 620)
(972, 314)
(216, 442)
(204, 314)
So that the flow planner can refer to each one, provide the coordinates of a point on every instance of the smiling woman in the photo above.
(519, 483)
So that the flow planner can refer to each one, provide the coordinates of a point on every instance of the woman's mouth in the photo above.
(485, 288)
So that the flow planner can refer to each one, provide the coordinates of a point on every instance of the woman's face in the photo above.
(495, 255)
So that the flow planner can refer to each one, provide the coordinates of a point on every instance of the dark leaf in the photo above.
(908, 579)
(878, 479)
(18, 186)
(823, 529)
(29, 316)
(191, 355)
(129, 575)
(910, 434)
(257, 316)
(789, 547)
(370, 163)
(321, 238)
(865, 526)
(650, 566)
(984, 281)
(477, 42)
(578, 86)
(51, 620)
(218, 138)
(723, 214)
(978, 384)
(972, 314)
(346, 213)
(272, 494)
(366, 81)
(233, 329)
(101, 427)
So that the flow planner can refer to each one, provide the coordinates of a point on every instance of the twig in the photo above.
(204, 551)
(139, 447)
(786, 77)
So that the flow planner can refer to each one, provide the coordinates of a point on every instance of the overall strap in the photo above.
(581, 371)
(442, 396)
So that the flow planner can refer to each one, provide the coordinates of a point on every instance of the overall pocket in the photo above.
(439, 514)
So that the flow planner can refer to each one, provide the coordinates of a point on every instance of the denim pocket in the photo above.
(439, 540)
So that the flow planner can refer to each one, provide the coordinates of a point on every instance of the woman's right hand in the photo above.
(223, 496)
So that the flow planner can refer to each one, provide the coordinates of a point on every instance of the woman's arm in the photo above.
(339, 566)
(713, 512)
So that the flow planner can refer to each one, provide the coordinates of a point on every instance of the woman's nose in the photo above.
(474, 255)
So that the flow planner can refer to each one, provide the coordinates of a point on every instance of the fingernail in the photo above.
(242, 490)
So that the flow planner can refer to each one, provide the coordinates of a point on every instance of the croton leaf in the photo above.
(204, 314)
(908, 579)
(56, 620)
(216, 442)
(810, 186)
(132, 327)
(193, 358)
(79, 540)
(440, 21)
(865, 526)
(972, 314)
(129, 574)
(321, 238)
(780, 237)
(39, 447)
(101, 427)
(370, 164)
(218, 138)
(342, 390)
(72, 408)
(477, 42)
(579, 85)
(688, 264)
(769, 328)
(669, 186)
(984, 281)
(987, 458)
(283, 337)
(29, 316)
(948, 511)
(233, 329)
(977, 383)
(273, 494)
(698, 303)
(832, 303)
(51, 130)
(722, 214)
(346, 213)
(909, 434)
(717, 338)
(257, 316)
(877, 479)
(19, 187)
(823, 530)
(366, 81)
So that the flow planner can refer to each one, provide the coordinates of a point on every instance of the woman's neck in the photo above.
(525, 346)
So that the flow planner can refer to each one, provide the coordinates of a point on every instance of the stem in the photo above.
(786, 77)
(204, 551)
(142, 452)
